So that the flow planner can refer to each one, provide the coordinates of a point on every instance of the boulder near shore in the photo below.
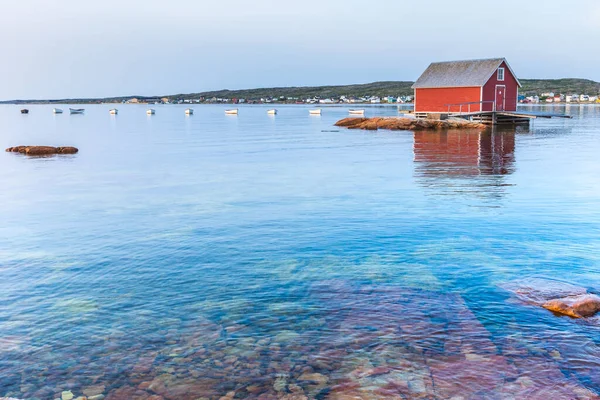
(406, 124)
(42, 150)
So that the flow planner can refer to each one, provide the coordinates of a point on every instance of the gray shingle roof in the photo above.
(464, 73)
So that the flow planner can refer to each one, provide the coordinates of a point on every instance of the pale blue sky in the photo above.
(77, 48)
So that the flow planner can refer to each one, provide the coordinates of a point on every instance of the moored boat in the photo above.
(231, 112)
(357, 112)
(189, 111)
(272, 112)
(315, 112)
(57, 111)
(24, 111)
(113, 111)
(76, 110)
(150, 111)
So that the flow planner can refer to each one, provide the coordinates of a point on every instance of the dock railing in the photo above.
(468, 106)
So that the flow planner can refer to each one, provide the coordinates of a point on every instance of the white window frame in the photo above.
(500, 79)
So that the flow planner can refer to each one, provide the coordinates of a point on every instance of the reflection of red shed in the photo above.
(464, 153)
(471, 85)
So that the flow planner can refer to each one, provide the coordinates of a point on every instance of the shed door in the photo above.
(500, 94)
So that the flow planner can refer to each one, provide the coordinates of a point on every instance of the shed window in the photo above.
(500, 74)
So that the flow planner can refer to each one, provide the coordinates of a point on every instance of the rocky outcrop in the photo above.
(556, 296)
(406, 124)
(42, 150)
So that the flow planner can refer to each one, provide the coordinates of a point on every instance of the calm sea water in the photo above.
(280, 257)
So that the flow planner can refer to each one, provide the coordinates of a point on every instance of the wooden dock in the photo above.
(493, 117)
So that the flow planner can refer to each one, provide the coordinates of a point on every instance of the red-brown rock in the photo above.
(394, 123)
(67, 150)
(556, 296)
(581, 306)
(42, 150)
(17, 149)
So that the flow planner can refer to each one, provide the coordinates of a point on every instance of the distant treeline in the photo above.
(533, 87)
(389, 88)
(379, 89)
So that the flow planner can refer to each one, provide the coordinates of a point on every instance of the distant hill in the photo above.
(388, 88)
(393, 88)
(380, 89)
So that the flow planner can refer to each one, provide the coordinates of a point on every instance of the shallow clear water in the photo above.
(281, 257)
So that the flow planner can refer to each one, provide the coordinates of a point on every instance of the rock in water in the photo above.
(556, 296)
(67, 150)
(94, 390)
(314, 377)
(581, 306)
(42, 150)
(17, 149)
(537, 291)
(395, 123)
(67, 395)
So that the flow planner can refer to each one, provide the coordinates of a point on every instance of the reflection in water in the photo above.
(475, 161)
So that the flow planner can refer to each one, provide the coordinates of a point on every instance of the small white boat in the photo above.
(357, 112)
(114, 111)
(57, 111)
(314, 112)
(150, 111)
(76, 110)
(189, 111)
(232, 112)
(272, 112)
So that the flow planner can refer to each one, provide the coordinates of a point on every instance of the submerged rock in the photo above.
(94, 390)
(294, 396)
(315, 378)
(228, 396)
(67, 395)
(77, 306)
(280, 383)
(556, 296)
(537, 291)
(581, 306)
(42, 150)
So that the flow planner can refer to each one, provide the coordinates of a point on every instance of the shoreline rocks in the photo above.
(406, 124)
(42, 150)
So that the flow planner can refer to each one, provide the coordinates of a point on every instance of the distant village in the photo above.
(281, 99)
(551, 97)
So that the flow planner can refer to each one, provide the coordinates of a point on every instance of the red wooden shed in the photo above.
(467, 86)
